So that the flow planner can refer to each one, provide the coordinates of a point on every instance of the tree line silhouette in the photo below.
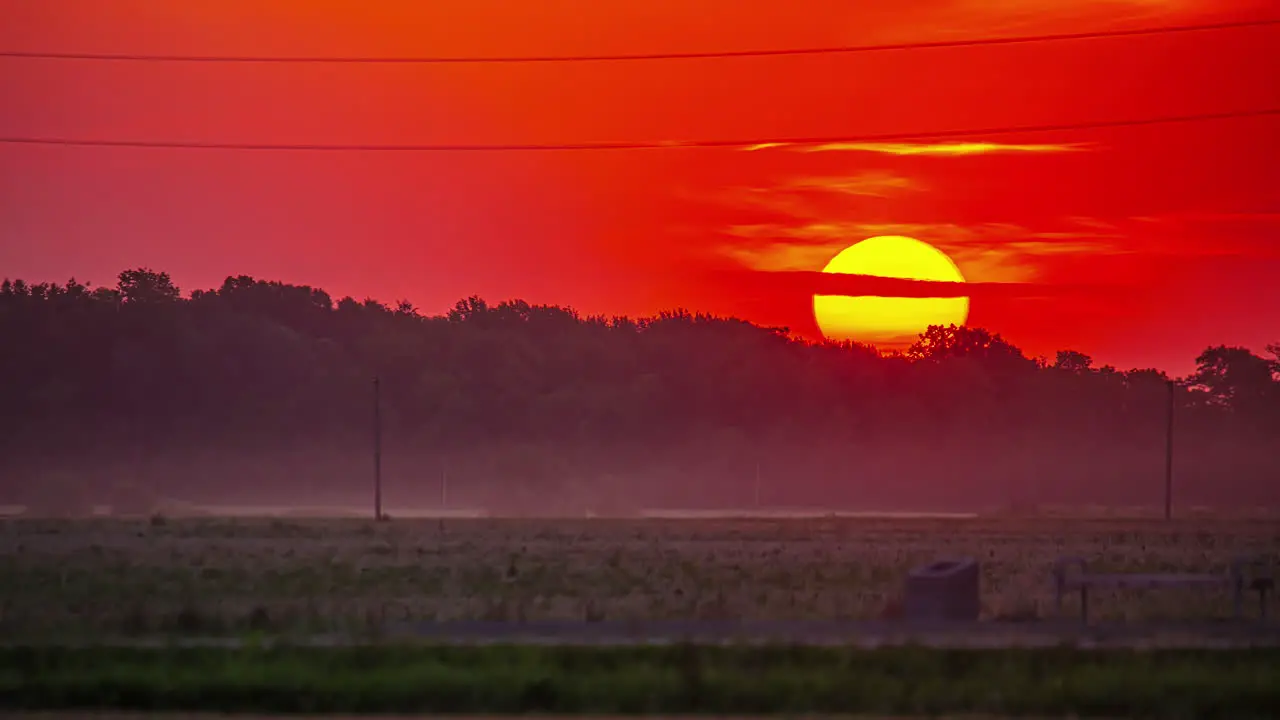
(262, 390)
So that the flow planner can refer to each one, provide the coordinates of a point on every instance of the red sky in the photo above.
(1139, 245)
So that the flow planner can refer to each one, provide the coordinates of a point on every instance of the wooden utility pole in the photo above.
(377, 450)
(757, 484)
(444, 486)
(1168, 456)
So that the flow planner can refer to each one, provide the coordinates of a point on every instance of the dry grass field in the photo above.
(199, 576)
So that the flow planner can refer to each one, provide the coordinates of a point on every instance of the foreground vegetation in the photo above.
(205, 577)
(682, 679)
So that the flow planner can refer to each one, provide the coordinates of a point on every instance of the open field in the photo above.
(205, 715)
(208, 576)
(46, 715)
(646, 680)
(291, 716)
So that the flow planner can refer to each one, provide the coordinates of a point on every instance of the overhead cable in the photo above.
(759, 143)
(624, 57)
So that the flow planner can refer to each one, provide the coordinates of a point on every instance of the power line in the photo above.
(760, 143)
(761, 52)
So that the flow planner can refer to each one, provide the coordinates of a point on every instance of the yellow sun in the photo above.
(889, 322)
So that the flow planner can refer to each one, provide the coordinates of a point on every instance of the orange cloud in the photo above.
(806, 282)
(943, 149)
(767, 199)
(988, 252)
(782, 256)
(869, 184)
(1206, 234)
(967, 18)
(809, 198)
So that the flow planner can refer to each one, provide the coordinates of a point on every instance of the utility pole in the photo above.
(1168, 456)
(377, 449)
(757, 484)
(444, 486)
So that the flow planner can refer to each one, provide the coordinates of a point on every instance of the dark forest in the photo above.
(262, 393)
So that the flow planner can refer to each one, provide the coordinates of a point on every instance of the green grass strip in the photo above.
(633, 680)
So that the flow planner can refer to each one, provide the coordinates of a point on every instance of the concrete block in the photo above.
(946, 589)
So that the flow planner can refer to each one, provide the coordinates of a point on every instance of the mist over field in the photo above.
(260, 394)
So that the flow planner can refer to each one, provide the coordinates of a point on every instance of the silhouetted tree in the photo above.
(118, 381)
(944, 343)
(1073, 362)
(1235, 377)
(146, 287)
